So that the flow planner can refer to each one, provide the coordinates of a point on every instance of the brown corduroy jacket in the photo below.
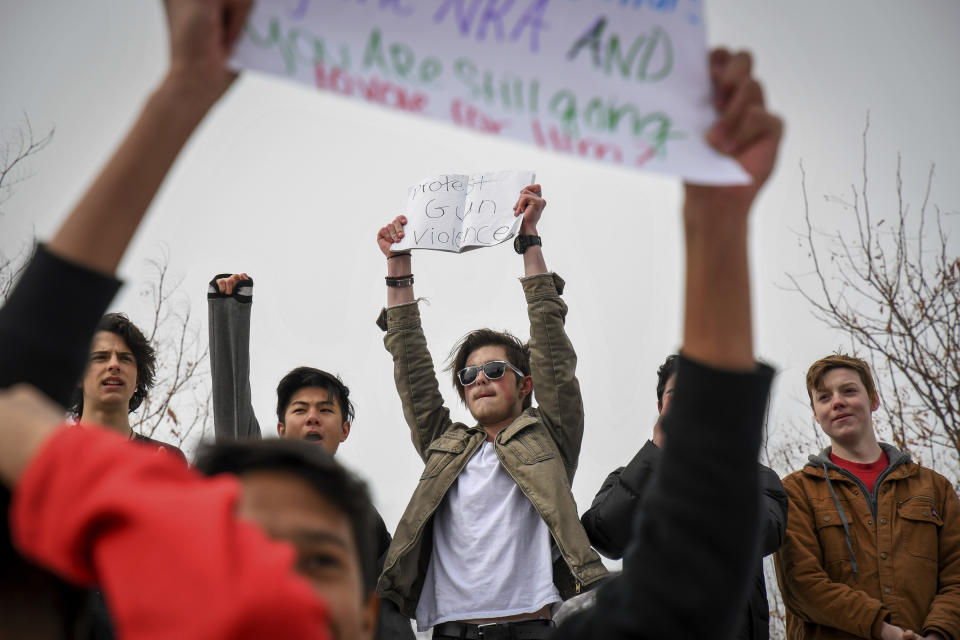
(854, 559)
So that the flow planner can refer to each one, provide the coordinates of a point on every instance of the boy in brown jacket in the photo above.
(873, 540)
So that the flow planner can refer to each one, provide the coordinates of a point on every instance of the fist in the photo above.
(392, 232)
(227, 285)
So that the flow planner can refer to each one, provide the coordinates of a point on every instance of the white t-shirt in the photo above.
(491, 550)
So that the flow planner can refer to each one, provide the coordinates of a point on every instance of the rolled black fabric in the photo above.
(48, 321)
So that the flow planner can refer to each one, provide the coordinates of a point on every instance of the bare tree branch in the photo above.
(894, 288)
(16, 147)
(178, 408)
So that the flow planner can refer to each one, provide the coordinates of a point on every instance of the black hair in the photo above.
(303, 377)
(667, 369)
(317, 468)
(143, 354)
(518, 354)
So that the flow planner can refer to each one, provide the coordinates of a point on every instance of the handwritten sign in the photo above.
(458, 212)
(618, 81)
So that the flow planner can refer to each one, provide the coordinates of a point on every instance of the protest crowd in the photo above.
(272, 538)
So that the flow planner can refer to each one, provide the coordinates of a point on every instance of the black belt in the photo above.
(520, 630)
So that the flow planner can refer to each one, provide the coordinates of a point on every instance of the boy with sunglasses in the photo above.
(491, 534)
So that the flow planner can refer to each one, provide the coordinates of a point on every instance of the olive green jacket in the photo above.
(539, 449)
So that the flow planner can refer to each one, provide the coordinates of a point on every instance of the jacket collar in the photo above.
(897, 458)
(522, 421)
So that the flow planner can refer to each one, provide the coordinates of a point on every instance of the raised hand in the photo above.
(530, 205)
(202, 34)
(399, 263)
(390, 233)
(717, 320)
(744, 130)
(227, 285)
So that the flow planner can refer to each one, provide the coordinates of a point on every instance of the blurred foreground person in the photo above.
(297, 493)
(694, 540)
(49, 348)
(873, 538)
(608, 519)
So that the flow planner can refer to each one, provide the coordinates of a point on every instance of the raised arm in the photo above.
(229, 301)
(530, 205)
(413, 370)
(74, 270)
(553, 361)
(201, 35)
(86, 502)
(683, 576)
(718, 328)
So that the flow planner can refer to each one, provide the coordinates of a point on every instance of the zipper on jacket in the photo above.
(871, 496)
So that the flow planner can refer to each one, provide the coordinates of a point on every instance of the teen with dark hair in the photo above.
(47, 322)
(312, 405)
(517, 354)
(608, 519)
(297, 493)
(137, 348)
(288, 402)
(507, 477)
(118, 377)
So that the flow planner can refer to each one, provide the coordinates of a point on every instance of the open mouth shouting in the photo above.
(313, 436)
(112, 382)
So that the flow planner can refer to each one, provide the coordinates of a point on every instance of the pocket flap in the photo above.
(827, 518)
(446, 444)
(920, 510)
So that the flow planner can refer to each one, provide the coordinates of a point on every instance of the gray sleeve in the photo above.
(229, 321)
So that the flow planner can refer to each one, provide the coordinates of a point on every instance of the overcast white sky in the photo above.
(290, 185)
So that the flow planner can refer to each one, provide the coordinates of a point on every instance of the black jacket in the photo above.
(607, 522)
(694, 539)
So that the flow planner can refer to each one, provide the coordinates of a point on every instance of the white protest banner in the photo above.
(459, 212)
(619, 81)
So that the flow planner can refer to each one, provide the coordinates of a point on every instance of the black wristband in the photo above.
(400, 281)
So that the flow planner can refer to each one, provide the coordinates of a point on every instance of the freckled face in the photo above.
(843, 408)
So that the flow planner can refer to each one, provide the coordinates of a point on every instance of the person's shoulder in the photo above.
(801, 478)
(939, 480)
(159, 445)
